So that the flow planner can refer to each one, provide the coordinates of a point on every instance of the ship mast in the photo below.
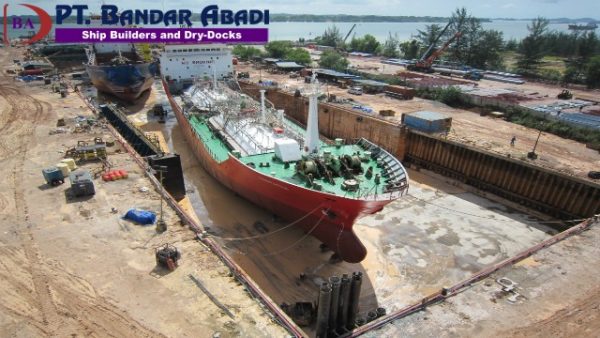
(311, 142)
(263, 113)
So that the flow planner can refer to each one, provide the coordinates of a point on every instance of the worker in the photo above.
(512, 141)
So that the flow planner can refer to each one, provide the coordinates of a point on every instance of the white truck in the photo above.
(355, 90)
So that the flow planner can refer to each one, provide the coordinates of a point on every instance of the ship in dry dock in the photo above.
(118, 69)
(274, 162)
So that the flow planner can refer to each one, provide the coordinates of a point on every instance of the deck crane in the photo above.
(424, 65)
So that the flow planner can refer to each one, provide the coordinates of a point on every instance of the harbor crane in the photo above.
(424, 63)
(341, 47)
(347, 35)
(434, 42)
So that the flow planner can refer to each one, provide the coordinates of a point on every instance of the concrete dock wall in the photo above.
(538, 188)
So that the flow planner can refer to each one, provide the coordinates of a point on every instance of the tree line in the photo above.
(283, 50)
(580, 51)
(475, 47)
(487, 49)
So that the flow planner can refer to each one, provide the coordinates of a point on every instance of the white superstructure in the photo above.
(252, 130)
(190, 62)
(109, 48)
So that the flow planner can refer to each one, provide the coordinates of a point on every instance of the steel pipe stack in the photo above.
(354, 299)
(323, 309)
(344, 303)
(336, 283)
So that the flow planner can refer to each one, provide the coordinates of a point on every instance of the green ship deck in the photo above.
(277, 169)
(217, 148)
(390, 170)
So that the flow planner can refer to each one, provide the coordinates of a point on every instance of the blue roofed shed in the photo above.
(427, 121)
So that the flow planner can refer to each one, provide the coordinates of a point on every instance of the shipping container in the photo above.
(406, 92)
(427, 121)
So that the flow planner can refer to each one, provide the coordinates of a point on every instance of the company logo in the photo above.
(121, 25)
(26, 24)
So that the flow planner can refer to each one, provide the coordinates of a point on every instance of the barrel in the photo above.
(70, 163)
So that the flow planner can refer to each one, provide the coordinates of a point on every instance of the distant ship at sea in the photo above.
(586, 27)
(119, 70)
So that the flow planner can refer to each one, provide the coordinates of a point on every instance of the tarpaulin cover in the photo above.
(140, 216)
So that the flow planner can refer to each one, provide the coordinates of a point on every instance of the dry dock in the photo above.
(437, 236)
(441, 234)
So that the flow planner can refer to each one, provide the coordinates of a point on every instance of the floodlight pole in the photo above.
(161, 226)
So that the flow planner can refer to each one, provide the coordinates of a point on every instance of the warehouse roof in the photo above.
(271, 60)
(289, 65)
(333, 73)
(370, 83)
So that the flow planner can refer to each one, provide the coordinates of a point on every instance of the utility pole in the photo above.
(532, 155)
(161, 226)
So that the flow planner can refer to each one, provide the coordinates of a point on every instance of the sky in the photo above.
(479, 8)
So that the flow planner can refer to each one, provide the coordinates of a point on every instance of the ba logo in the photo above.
(25, 23)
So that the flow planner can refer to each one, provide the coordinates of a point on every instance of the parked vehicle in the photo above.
(355, 90)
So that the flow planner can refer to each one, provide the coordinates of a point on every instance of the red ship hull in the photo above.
(327, 217)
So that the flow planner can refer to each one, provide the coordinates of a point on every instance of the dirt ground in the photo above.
(485, 132)
(581, 320)
(73, 267)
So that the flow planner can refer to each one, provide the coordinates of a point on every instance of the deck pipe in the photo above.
(344, 303)
(354, 299)
(323, 310)
(336, 283)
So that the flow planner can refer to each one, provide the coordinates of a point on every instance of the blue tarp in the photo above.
(365, 109)
(140, 216)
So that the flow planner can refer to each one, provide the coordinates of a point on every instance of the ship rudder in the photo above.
(344, 243)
